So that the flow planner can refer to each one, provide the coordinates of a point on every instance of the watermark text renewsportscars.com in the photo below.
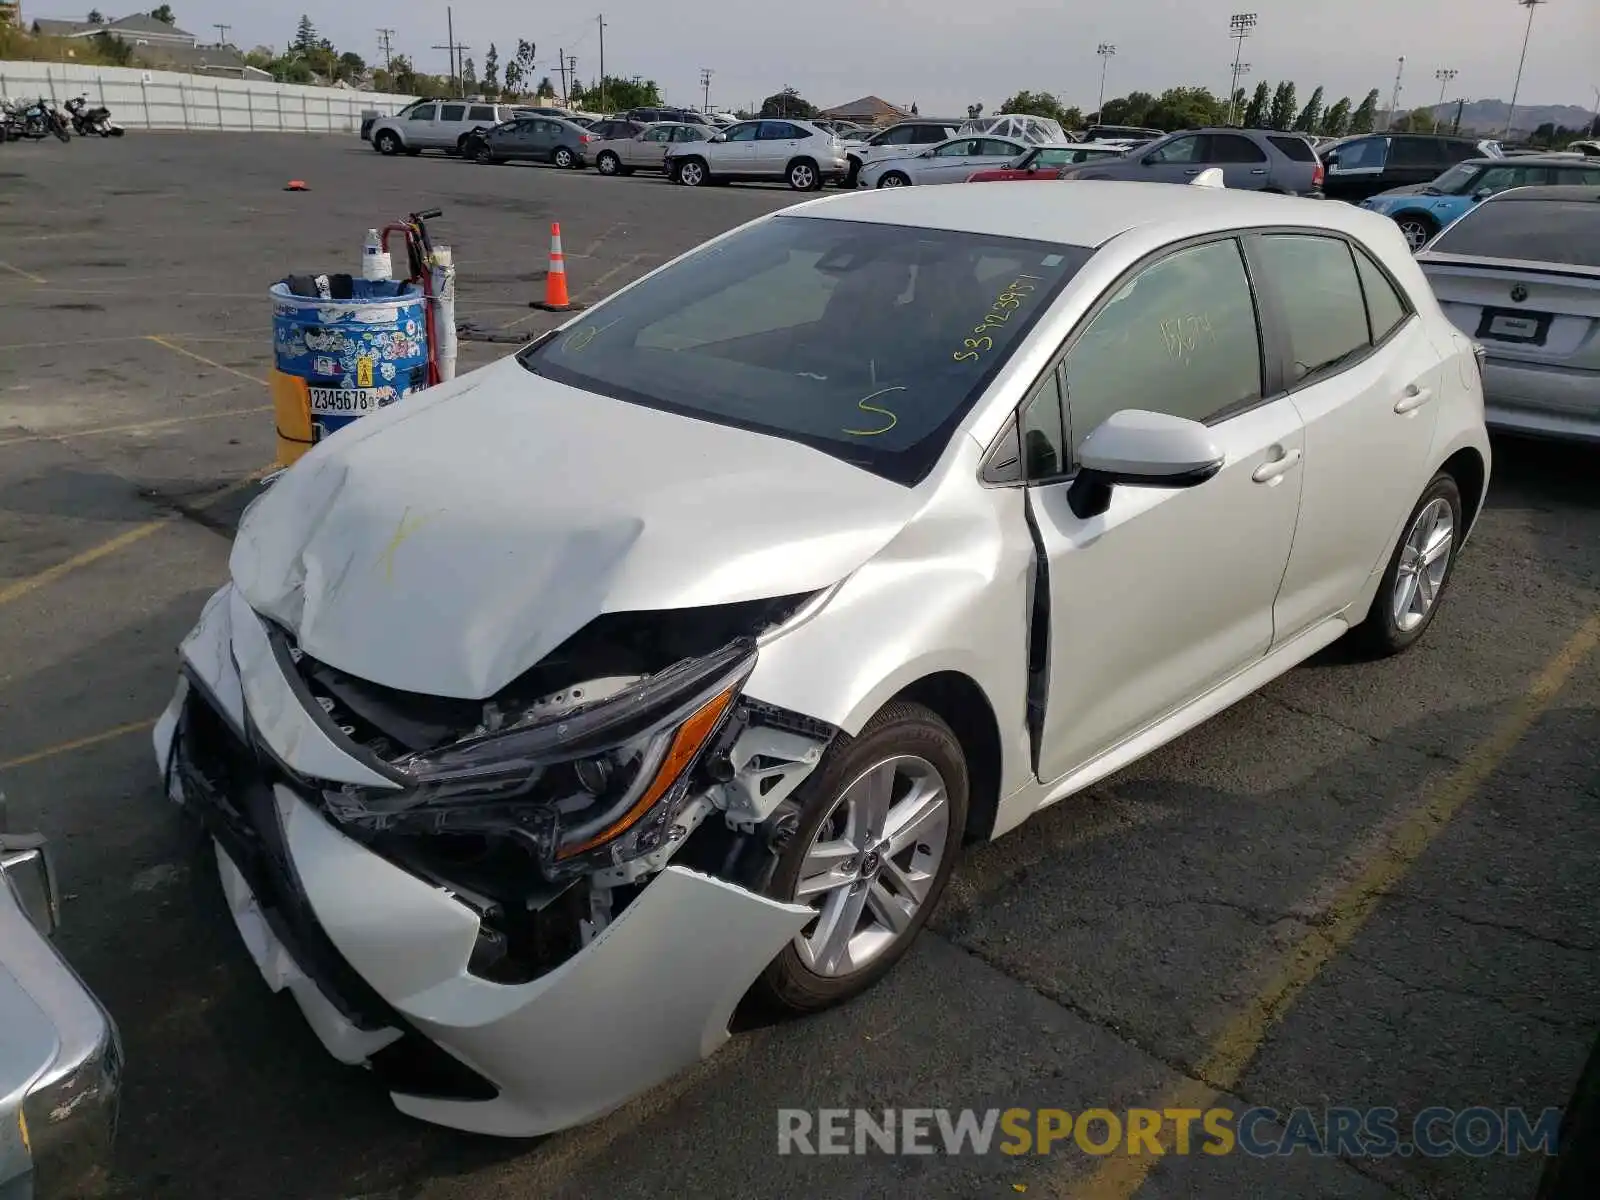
(1477, 1132)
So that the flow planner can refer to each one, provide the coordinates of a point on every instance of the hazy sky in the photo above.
(946, 54)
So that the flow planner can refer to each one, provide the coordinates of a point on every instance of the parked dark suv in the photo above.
(649, 116)
(1364, 166)
(1255, 160)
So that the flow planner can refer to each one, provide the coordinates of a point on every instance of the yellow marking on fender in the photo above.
(1120, 1176)
(402, 531)
(83, 743)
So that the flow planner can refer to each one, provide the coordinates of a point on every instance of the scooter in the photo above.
(86, 120)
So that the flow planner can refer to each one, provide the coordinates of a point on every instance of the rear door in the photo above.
(452, 126)
(777, 143)
(1244, 164)
(1366, 380)
(648, 148)
(1413, 160)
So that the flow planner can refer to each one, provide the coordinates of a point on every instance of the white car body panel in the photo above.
(542, 507)
(455, 580)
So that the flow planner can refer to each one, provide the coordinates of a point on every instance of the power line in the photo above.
(386, 45)
(454, 47)
(222, 33)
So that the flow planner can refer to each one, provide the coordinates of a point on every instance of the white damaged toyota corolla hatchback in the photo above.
(669, 663)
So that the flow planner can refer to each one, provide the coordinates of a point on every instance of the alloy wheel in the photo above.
(607, 164)
(563, 157)
(1416, 233)
(872, 865)
(892, 181)
(692, 174)
(1424, 563)
(802, 178)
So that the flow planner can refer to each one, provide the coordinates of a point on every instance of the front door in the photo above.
(1170, 591)
(420, 124)
(1176, 161)
(736, 155)
(1367, 382)
(1354, 170)
(951, 162)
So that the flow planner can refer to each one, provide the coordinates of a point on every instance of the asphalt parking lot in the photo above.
(1368, 885)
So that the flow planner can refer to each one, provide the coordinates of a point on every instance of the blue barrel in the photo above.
(338, 360)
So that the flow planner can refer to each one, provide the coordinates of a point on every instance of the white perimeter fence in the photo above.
(142, 99)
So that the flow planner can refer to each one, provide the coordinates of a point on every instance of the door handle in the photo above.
(1267, 472)
(1196, 171)
(1258, 170)
(1414, 398)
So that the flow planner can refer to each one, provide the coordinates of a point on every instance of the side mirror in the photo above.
(1135, 448)
(1483, 193)
(717, 137)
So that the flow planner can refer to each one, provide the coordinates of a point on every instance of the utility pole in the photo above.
(561, 69)
(222, 33)
(1105, 50)
(455, 48)
(1444, 76)
(1394, 99)
(572, 71)
(705, 89)
(1530, 5)
(1239, 27)
(1594, 121)
(386, 44)
(601, 20)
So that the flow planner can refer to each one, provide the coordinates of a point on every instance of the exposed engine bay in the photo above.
(548, 806)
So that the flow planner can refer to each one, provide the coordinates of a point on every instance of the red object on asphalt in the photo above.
(296, 185)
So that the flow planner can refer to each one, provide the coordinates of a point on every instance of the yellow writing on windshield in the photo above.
(866, 407)
(999, 313)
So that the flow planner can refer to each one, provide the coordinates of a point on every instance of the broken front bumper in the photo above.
(377, 958)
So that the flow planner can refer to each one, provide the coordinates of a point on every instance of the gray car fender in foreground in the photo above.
(651, 995)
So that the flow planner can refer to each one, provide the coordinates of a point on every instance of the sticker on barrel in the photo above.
(364, 372)
(347, 402)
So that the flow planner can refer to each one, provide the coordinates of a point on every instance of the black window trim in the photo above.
(999, 458)
(1273, 313)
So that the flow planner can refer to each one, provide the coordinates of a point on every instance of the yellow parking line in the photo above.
(200, 358)
(94, 739)
(23, 587)
(98, 430)
(1119, 1177)
(28, 275)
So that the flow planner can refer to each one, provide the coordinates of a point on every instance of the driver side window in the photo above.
(743, 133)
(1179, 150)
(1181, 337)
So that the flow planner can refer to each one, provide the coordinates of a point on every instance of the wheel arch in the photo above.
(961, 704)
(1467, 467)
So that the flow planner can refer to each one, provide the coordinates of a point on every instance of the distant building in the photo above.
(869, 110)
(157, 44)
(137, 29)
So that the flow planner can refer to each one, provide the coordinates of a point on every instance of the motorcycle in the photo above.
(35, 120)
(86, 120)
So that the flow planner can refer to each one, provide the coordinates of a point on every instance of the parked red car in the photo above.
(1042, 162)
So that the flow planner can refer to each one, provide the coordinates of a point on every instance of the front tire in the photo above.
(387, 142)
(1418, 574)
(483, 155)
(1417, 228)
(878, 828)
(894, 179)
(691, 172)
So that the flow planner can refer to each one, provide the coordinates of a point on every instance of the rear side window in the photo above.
(929, 135)
(1231, 148)
(481, 112)
(1292, 147)
(1181, 337)
(1551, 231)
(1413, 152)
(453, 112)
(1385, 308)
(1315, 279)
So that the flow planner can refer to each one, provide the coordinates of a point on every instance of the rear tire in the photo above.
(1418, 575)
(905, 868)
(564, 158)
(608, 164)
(803, 175)
(852, 175)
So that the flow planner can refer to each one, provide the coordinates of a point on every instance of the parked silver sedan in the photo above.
(647, 149)
(950, 161)
(1521, 274)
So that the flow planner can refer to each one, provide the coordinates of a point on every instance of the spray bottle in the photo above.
(375, 264)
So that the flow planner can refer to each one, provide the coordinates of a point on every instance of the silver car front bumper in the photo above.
(650, 995)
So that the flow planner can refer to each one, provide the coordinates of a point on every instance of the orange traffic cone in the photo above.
(296, 185)
(555, 280)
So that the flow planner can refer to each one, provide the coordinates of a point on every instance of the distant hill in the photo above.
(1489, 116)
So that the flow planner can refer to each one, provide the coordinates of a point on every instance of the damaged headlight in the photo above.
(604, 781)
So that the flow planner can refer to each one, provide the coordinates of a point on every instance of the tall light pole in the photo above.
(1105, 50)
(1239, 27)
(1240, 70)
(705, 89)
(601, 20)
(1394, 97)
(1444, 77)
(1530, 5)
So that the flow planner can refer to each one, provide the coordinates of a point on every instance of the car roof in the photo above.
(1548, 191)
(1089, 212)
(1545, 158)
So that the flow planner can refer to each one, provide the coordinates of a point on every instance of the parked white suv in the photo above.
(799, 152)
(897, 141)
(437, 125)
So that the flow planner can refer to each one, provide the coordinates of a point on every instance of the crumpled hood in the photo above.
(1396, 193)
(447, 544)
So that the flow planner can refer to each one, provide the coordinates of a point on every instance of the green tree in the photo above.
(491, 72)
(403, 76)
(1336, 121)
(1034, 104)
(546, 89)
(787, 103)
(1418, 120)
(305, 36)
(113, 49)
(163, 13)
(1311, 115)
(1255, 113)
(513, 78)
(615, 94)
(1132, 109)
(1282, 114)
(525, 53)
(1184, 108)
(469, 77)
(95, 17)
(1366, 116)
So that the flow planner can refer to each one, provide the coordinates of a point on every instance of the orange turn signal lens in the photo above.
(686, 743)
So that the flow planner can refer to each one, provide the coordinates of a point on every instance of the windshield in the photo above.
(1549, 231)
(866, 341)
(1457, 180)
